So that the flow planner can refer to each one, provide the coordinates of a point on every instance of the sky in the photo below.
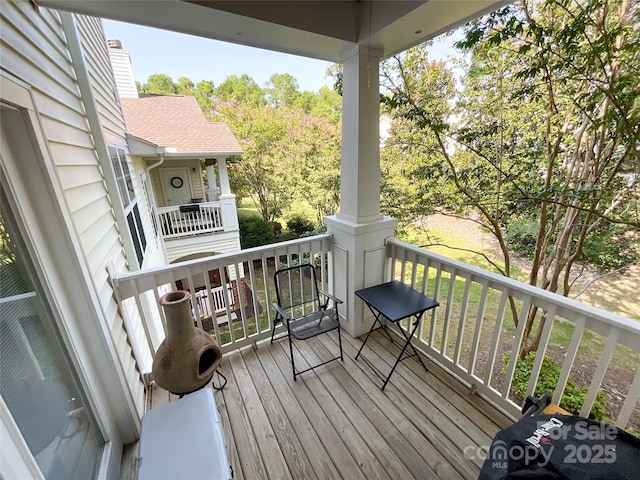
(178, 55)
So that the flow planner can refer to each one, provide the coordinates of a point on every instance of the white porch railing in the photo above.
(248, 313)
(469, 334)
(192, 219)
(216, 304)
(473, 329)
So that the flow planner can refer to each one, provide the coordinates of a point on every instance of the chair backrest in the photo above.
(297, 289)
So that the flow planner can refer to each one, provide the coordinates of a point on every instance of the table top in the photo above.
(395, 300)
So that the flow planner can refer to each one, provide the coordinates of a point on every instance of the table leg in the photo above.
(404, 348)
(373, 326)
(415, 352)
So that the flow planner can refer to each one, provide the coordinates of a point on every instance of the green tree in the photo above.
(579, 62)
(306, 101)
(261, 170)
(185, 86)
(414, 179)
(328, 105)
(282, 90)
(549, 125)
(204, 94)
(290, 158)
(203, 91)
(312, 152)
(159, 84)
(241, 89)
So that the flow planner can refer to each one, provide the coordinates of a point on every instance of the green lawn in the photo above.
(248, 209)
(592, 344)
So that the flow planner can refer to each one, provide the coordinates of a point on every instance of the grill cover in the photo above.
(554, 447)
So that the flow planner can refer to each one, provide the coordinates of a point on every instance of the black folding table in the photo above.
(395, 301)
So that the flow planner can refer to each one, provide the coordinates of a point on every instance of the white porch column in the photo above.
(359, 229)
(224, 176)
(212, 192)
(227, 199)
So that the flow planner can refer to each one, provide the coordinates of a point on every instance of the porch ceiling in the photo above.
(327, 30)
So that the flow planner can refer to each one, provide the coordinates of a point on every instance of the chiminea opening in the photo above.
(208, 359)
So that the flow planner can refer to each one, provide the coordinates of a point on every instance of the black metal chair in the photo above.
(304, 310)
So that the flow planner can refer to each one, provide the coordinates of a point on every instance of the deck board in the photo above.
(331, 455)
(405, 404)
(256, 439)
(335, 422)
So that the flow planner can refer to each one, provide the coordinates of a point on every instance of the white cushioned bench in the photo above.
(184, 440)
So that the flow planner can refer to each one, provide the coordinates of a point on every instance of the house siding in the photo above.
(122, 68)
(101, 77)
(96, 224)
(34, 50)
(114, 128)
(218, 243)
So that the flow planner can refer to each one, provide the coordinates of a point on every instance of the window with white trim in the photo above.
(38, 382)
(152, 210)
(129, 201)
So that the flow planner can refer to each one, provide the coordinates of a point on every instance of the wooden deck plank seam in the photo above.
(419, 408)
(284, 410)
(340, 422)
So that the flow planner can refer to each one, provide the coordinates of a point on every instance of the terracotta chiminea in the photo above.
(187, 359)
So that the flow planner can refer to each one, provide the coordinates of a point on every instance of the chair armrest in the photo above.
(281, 312)
(328, 295)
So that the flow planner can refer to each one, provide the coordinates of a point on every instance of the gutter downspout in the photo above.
(147, 170)
(154, 165)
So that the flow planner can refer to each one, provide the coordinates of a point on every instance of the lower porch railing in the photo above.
(197, 218)
(473, 334)
(241, 316)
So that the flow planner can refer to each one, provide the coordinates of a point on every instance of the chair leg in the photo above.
(293, 365)
(273, 330)
(340, 343)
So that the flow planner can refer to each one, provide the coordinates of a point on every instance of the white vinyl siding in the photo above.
(103, 89)
(123, 72)
(34, 49)
(148, 252)
(101, 75)
(112, 120)
(218, 243)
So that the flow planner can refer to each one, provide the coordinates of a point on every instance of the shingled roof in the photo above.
(177, 123)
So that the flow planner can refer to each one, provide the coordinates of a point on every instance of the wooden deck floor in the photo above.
(335, 422)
